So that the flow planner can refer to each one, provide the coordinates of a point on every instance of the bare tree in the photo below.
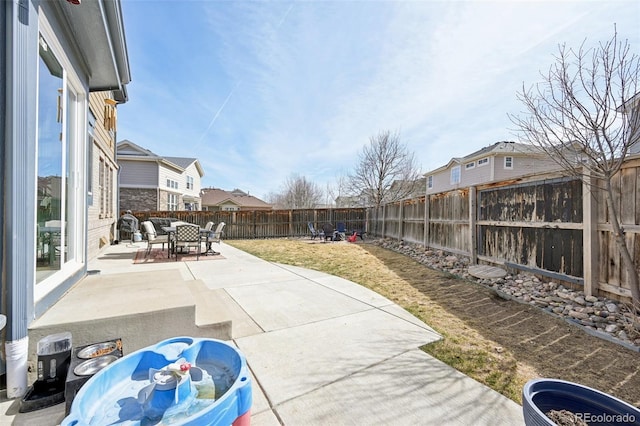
(386, 170)
(299, 193)
(578, 116)
(338, 192)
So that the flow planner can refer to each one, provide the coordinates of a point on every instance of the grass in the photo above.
(392, 275)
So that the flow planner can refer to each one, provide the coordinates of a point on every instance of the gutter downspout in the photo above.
(18, 208)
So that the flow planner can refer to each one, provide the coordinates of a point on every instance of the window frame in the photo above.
(510, 161)
(456, 172)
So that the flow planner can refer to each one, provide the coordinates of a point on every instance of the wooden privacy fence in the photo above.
(547, 224)
(267, 223)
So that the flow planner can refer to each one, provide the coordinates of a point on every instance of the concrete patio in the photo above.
(321, 349)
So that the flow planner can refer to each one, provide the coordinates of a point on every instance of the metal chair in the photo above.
(328, 231)
(214, 237)
(153, 238)
(314, 233)
(187, 236)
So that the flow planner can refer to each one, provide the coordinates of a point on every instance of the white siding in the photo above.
(197, 181)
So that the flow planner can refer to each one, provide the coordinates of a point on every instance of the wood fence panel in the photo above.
(413, 211)
(612, 274)
(539, 244)
(449, 221)
(392, 220)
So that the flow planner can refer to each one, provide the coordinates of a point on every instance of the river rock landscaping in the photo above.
(602, 317)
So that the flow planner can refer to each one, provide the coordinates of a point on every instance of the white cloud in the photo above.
(299, 87)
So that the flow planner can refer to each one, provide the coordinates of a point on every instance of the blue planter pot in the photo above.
(540, 396)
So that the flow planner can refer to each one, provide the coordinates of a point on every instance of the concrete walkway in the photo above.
(321, 349)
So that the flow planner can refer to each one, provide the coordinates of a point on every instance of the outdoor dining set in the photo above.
(180, 237)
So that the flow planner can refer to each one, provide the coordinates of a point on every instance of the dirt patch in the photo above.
(549, 345)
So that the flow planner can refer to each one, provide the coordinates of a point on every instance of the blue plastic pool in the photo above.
(179, 381)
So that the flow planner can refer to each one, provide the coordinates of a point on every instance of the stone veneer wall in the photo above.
(139, 199)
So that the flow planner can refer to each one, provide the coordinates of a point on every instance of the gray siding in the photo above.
(521, 166)
(138, 174)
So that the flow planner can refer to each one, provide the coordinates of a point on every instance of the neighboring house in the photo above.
(214, 199)
(497, 162)
(351, 201)
(148, 181)
(53, 54)
(632, 114)
(102, 170)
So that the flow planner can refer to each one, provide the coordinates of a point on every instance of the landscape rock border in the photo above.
(605, 318)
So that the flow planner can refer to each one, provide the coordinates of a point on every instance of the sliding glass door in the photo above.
(60, 217)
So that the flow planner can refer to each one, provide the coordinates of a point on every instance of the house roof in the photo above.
(505, 147)
(126, 148)
(98, 32)
(217, 196)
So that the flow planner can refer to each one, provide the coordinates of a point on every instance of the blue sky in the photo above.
(261, 90)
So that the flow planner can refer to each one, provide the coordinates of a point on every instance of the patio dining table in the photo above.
(171, 231)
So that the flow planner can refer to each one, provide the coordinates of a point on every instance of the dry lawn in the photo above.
(497, 342)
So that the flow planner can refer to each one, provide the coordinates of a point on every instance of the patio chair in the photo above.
(160, 222)
(341, 230)
(328, 231)
(187, 236)
(214, 237)
(153, 238)
(314, 233)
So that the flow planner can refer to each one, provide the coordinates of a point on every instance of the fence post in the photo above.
(384, 219)
(401, 221)
(589, 235)
(426, 221)
(473, 243)
(291, 222)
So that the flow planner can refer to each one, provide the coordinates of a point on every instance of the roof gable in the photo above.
(217, 196)
(499, 148)
(126, 148)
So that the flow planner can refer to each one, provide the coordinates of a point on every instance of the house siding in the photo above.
(521, 166)
(197, 182)
(166, 173)
(491, 172)
(478, 174)
(100, 227)
(138, 174)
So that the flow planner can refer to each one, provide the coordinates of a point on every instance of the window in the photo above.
(508, 162)
(455, 175)
(172, 202)
(110, 189)
(189, 182)
(483, 161)
(470, 165)
(101, 186)
(430, 182)
(172, 184)
(90, 139)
